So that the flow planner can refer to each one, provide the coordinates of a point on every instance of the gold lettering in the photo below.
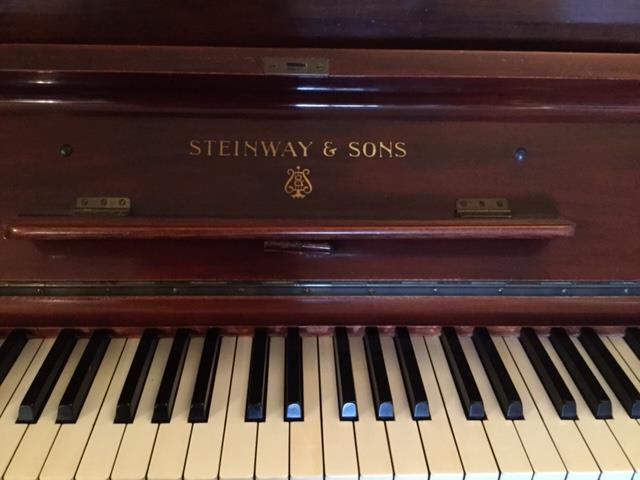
(224, 146)
(369, 149)
(305, 148)
(402, 151)
(209, 143)
(294, 148)
(270, 149)
(329, 150)
(195, 149)
(354, 149)
(249, 146)
(386, 148)
(289, 150)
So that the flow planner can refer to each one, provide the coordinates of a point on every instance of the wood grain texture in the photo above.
(319, 313)
(128, 228)
(161, 60)
(129, 113)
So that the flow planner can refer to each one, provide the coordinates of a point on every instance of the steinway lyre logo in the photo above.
(298, 184)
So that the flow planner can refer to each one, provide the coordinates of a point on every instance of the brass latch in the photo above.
(109, 206)
(296, 66)
(483, 208)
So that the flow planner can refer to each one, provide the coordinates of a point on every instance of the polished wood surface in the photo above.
(126, 228)
(399, 67)
(118, 121)
(461, 128)
(128, 314)
(539, 24)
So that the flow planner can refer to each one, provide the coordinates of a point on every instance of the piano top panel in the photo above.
(541, 25)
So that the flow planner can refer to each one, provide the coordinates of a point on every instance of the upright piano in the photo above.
(320, 240)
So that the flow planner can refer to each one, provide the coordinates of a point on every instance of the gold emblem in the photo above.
(298, 184)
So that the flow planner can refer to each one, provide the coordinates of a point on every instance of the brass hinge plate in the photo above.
(483, 208)
(296, 66)
(110, 206)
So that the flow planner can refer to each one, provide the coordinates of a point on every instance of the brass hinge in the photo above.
(110, 206)
(483, 208)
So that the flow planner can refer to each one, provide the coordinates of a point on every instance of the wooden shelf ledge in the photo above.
(148, 228)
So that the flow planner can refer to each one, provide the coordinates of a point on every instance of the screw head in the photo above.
(65, 150)
(520, 154)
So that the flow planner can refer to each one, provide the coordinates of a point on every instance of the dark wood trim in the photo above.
(137, 312)
(118, 228)
(165, 60)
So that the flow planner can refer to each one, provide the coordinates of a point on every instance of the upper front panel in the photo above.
(224, 177)
(541, 25)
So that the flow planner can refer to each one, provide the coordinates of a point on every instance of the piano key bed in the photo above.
(197, 407)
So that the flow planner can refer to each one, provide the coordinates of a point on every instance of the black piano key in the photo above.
(380, 390)
(293, 386)
(613, 374)
(413, 385)
(166, 397)
(461, 372)
(83, 376)
(136, 377)
(501, 382)
(550, 378)
(632, 337)
(205, 378)
(10, 350)
(347, 404)
(591, 390)
(256, 407)
(46, 378)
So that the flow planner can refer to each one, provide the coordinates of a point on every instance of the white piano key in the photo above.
(340, 458)
(442, 455)
(172, 440)
(605, 449)
(102, 447)
(205, 447)
(624, 428)
(404, 437)
(10, 431)
(305, 462)
(12, 380)
(31, 454)
(374, 456)
(239, 444)
(138, 439)
(540, 449)
(272, 453)
(503, 437)
(626, 357)
(568, 440)
(475, 451)
(65, 455)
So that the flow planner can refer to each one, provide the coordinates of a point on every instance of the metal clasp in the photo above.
(296, 66)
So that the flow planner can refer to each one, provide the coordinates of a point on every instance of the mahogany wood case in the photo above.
(244, 175)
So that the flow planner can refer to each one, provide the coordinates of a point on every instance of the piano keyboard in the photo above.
(376, 407)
